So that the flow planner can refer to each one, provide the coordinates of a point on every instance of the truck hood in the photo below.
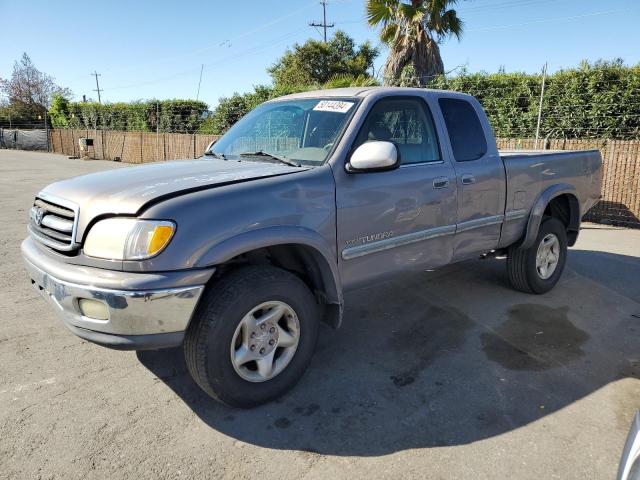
(127, 190)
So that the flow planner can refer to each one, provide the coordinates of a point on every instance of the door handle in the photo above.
(441, 182)
(468, 179)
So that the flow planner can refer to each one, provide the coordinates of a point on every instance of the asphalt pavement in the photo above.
(445, 374)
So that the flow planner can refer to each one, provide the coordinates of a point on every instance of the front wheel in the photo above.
(537, 269)
(252, 336)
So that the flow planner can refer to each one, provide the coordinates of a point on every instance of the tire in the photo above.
(222, 329)
(525, 274)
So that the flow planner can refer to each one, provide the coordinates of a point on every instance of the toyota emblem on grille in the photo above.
(37, 214)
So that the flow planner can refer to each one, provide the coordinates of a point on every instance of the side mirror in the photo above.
(210, 145)
(374, 157)
(629, 468)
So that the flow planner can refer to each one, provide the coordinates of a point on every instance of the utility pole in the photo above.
(199, 82)
(324, 23)
(544, 81)
(97, 89)
(46, 127)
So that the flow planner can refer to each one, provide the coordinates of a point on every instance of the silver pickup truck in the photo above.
(239, 255)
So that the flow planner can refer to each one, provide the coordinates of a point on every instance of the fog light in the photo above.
(93, 309)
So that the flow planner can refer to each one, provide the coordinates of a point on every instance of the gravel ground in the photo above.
(447, 374)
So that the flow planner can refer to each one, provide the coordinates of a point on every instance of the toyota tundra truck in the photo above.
(239, 255)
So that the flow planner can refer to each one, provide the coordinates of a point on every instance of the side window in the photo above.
(465, 130)
(405, 122)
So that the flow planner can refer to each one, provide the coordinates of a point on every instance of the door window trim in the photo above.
(427, 110)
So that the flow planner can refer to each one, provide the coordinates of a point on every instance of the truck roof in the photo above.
(360, 92)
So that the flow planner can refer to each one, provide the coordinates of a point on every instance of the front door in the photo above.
(401, 219)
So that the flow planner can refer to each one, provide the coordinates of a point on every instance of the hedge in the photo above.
(152, 115)
(600, 100)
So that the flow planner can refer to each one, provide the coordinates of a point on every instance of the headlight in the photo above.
(128, 238)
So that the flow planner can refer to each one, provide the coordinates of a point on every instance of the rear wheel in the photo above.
(252, 336)
(537, 269)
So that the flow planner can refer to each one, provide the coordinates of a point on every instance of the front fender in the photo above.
(539, 206)
(325, 256)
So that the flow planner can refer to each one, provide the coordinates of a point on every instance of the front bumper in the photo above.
(151, 315)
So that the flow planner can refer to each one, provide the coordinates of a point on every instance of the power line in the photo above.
(324, 23)
(503, 5)
(463, 9)
(546, 20)
(226, 43)
(97, 89)
(232, 57)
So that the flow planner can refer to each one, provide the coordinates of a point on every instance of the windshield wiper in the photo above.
(262, 153)
(221, 156)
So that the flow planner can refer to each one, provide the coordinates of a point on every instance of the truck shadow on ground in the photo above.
(613, 213)
(409, 370)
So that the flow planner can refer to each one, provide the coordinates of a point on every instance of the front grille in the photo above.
(53, 223)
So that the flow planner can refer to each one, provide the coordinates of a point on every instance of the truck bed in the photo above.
(529, 172)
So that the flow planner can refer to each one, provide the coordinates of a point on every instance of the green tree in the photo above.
(314, 63)
(59, 111)
(413, 30)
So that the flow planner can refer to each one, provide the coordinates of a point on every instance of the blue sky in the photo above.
(147, 49)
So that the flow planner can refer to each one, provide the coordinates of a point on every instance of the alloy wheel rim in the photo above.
(548, 256)
(265, 341)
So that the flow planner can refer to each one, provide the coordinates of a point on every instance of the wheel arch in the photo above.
(559, 201)
(296, 249)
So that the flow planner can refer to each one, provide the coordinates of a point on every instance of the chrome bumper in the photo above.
(137, 319)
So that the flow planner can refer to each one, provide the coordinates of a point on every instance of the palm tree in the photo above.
(413, 31)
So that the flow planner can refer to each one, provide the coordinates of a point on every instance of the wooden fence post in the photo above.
(124, 139)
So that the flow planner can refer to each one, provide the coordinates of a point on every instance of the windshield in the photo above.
(302, 131)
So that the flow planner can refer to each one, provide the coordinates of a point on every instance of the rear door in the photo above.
(480, 177)
(401, 219)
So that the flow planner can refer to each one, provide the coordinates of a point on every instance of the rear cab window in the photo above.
(466, 134)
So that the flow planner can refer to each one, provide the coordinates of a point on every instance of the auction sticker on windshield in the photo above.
(333, 106)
